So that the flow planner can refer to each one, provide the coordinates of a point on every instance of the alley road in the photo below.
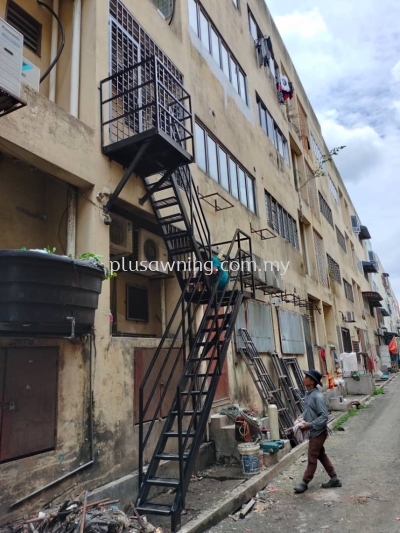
(367, 459)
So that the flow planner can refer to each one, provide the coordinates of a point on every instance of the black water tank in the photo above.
(37, 288)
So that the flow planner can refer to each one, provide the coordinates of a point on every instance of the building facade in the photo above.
(261, 165)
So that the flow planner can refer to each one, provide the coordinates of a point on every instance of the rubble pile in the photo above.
(82, 517)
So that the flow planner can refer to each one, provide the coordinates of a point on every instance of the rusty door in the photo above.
(29, 401)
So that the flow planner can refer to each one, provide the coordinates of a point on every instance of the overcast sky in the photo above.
(347, 54)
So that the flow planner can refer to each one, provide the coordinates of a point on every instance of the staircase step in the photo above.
(179, 251)
(170, 456)
(176, 434)
(165, 202)
(166, 185)
(194, 392)
(198, 376)
(176, 235)
(195, 359)
(154, 508)
(170, 219)
(163, 481)
(187, 413)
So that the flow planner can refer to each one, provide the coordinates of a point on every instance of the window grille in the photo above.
(30, 28)
(348, 290)
(341, 239)
(325, 209)
(166, 7)
(320, 259)
(334, 269)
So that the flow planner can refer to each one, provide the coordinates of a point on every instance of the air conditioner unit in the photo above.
(121, 236)
(273, 280)
(30, 74)
(350, 316)
(152, 254)
(11, 46)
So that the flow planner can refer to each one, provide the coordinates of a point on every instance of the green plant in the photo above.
(348, 415)
(88, 256)
(378, 391)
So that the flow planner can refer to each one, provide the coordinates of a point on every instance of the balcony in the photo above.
(146, 114)
(383, 311)
(370, 267)
(364, 233)
(373, 298)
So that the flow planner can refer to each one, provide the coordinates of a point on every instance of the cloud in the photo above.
(396, 71)
(350, 70)
(307, 25)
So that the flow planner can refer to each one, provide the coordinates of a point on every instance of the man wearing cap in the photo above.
(316, 419)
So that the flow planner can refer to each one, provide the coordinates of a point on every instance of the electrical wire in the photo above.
(61, 48)
(173, 12)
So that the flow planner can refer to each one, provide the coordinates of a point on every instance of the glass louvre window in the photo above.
(212, 159)
(280, 220)
(234, 180)
(223, 169)
(271, 128)
(204, 31)
(215, 161)
(212, 40)
(200, 148)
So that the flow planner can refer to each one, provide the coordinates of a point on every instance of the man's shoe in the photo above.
(332, 483)
(301, 487)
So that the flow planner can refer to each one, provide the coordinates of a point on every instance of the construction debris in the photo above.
(78, 516)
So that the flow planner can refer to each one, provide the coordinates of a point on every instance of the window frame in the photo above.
(233, 66)
(273, 131)
(243, 190)
(281, 221)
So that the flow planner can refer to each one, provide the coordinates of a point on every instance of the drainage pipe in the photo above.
(75, 59)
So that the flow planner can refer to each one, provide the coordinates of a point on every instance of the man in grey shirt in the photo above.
(316, 420)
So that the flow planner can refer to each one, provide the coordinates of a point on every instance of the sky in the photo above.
(347, 54)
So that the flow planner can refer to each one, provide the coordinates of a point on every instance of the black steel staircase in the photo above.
(203, 352)
(147, 127)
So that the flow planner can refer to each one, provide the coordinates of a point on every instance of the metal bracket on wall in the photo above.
(260, 233)
(215, 204)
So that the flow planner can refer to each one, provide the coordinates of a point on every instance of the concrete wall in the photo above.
(44, 139)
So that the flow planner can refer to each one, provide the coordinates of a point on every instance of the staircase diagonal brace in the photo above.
(158, 185)
(128, 173)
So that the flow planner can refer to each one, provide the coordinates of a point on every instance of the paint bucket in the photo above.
(250, 458)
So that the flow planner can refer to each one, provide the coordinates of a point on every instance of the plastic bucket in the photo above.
(250, 458)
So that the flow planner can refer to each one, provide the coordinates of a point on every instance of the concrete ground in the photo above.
(367, 459)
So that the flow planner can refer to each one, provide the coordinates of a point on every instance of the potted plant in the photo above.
(41, 292)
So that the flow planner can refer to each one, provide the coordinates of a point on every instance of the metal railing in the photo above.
(142, 97)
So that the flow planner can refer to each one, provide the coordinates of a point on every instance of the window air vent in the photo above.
(30, 28)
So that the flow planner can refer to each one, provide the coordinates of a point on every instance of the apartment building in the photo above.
(204, 93)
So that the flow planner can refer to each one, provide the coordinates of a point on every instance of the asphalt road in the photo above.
(367, 459)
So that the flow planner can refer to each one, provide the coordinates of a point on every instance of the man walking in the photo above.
(316, 419)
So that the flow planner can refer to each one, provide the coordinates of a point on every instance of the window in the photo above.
(334, 269)
(30, 28)
(325, 209)
(200, 148)
(213, 159)
(137, 303)
(303, 127)
(212, 40)
(317, 153)
(280, 221)
(348, 290)
(340, 239)
(320, 259)
(347, 345)
(334, 191)
(166, 7)
(271, 128)
(312, 191)
(255, 31)
(236, 3)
